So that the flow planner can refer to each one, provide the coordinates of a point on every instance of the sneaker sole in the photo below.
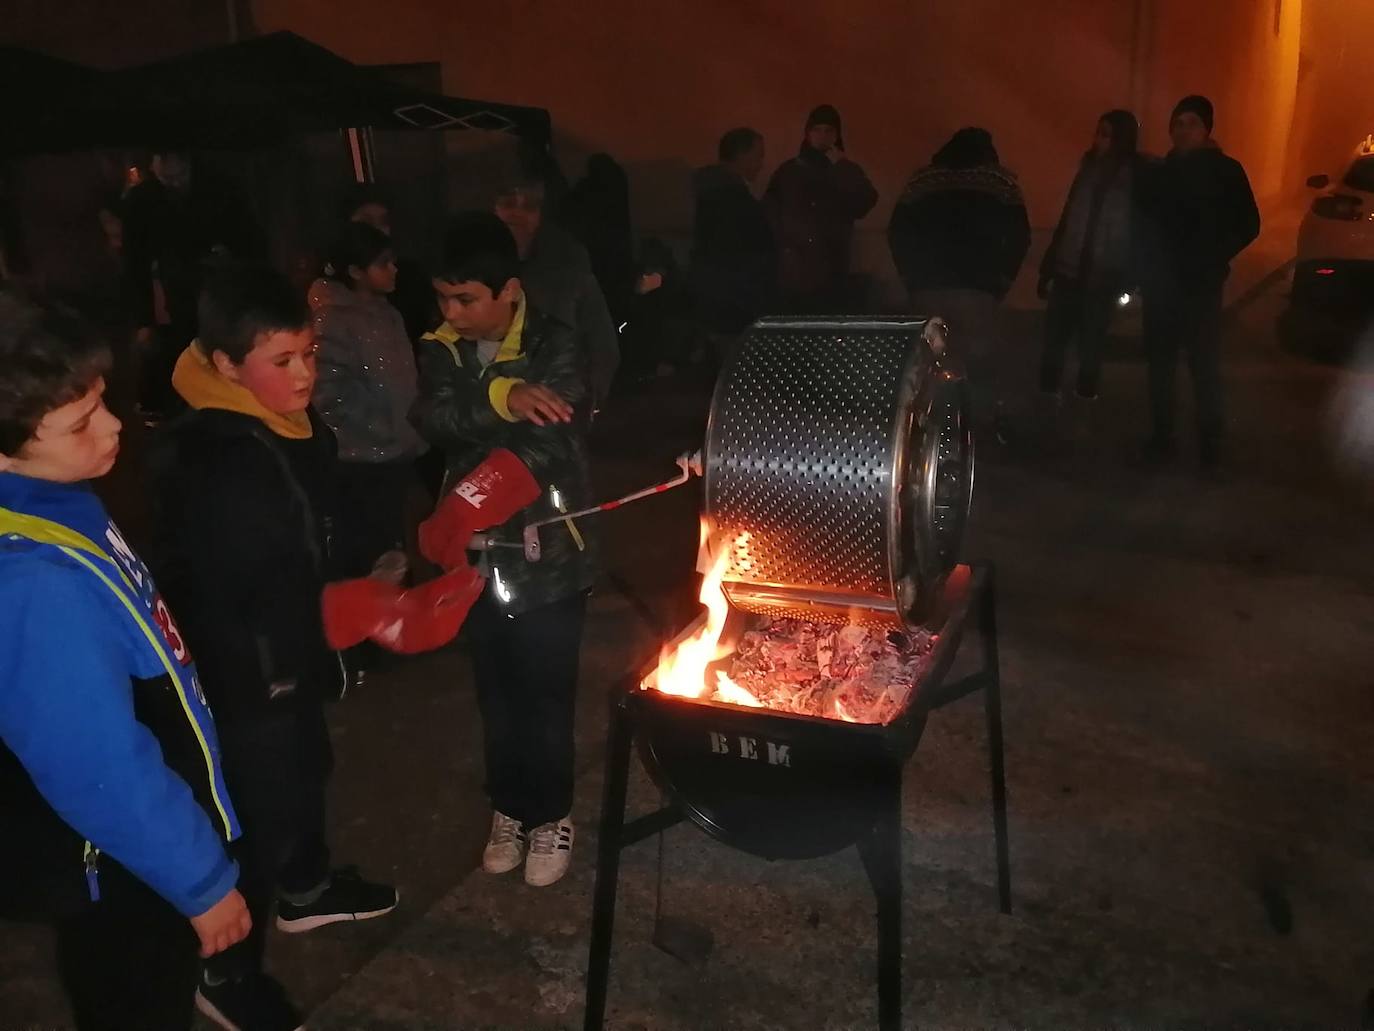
(212, 1013)
(540, 882)
(310, 923)
(500, 868)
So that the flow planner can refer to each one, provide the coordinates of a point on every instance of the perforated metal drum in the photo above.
(839, 468)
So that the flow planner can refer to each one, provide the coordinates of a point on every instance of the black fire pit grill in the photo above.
(862, 417)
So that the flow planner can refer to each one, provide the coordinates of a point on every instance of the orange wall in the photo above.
(655, 84)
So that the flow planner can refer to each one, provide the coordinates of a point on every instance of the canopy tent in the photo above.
(256, 92)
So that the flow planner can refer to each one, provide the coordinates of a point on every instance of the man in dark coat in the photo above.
(734, 262)
(1199, 213)
(814, 199)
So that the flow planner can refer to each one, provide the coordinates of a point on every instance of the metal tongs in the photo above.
(688, 465)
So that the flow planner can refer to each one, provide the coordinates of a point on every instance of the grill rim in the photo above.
(876, 744)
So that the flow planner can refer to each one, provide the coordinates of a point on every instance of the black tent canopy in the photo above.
(259, 91)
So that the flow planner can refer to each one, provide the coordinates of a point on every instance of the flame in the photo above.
(843, 713)
(729, 691)
(682, 671)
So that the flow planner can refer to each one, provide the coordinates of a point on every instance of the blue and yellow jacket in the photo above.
(106, 743)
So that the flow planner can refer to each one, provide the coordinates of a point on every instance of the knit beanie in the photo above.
(1194, 104)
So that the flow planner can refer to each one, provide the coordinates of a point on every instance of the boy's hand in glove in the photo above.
(489, 495)
(406, 621)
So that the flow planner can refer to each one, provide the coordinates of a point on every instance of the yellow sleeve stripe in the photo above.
(499, 394)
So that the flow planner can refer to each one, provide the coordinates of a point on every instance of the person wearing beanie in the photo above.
(813, 201)
(1198, 214)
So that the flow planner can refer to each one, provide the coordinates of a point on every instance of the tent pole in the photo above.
(360, 153)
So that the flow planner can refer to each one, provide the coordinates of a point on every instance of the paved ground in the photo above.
(1188, 703)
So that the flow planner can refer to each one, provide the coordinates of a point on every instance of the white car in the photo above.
(1334, 272)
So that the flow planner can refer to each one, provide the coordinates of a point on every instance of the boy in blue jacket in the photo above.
(116, 817)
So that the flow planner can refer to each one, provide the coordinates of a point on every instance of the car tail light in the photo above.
(1341, 206)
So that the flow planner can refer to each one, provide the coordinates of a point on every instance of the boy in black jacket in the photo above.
(499, 373)
(247, 498)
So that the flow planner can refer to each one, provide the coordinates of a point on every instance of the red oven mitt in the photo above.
(406, 621)
(489, 495)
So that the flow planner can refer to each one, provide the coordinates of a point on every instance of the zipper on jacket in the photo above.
(91, 857)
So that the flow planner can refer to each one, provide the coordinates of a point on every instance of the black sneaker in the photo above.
(255, 1002)
(347, 897)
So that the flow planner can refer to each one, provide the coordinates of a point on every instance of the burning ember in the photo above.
(848, 673)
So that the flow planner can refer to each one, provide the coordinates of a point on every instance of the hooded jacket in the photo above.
(245, 502)
(463, 409)
(367, 378)
(106, 743)
(813, 204)
(960, 228)
(734, 261)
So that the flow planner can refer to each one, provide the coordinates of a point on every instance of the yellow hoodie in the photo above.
(199, 383)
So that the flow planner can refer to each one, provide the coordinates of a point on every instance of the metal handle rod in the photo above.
(688, 465)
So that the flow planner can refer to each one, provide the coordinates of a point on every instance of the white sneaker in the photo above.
(506, 846)
(550, 852)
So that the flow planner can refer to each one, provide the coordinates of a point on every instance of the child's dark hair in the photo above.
(48, 358)
(359, 196)
(239, 303)
(478, 248)
(737, 142)
(358, 244)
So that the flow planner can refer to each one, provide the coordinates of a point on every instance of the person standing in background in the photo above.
(364, 390)
(813, 200)
(958, 236)
(556, 273)
(596, 211)
(1199, 213)
(734, 259)
(173, 228)
(1088, 264)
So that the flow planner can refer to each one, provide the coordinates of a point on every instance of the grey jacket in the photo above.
(367, 379)
(557, 276)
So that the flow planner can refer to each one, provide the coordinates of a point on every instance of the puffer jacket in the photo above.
(367, 379)
(462, 409)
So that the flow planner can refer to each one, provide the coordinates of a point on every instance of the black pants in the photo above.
(1080, 315)
(276, 768)
(1191, 323)
(371, 512)
(129, 960)
(526, 673)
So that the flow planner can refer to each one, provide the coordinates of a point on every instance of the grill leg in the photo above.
(608, 866)
(881, 852)
(992, 700)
